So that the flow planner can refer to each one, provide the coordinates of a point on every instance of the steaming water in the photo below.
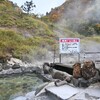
(14, 86)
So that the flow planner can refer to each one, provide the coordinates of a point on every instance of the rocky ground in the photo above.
(90, 92)
(16, 66)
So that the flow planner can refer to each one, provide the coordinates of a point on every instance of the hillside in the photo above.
(22, 35)
(80, 16)
(28, 37)
(81, 19)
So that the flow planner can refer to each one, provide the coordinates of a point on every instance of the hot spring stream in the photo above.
(13, 86)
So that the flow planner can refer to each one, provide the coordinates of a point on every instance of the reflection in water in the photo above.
(13, 86)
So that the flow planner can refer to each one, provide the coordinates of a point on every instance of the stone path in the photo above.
(67, 92)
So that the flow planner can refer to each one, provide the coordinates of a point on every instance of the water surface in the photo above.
(14, 86)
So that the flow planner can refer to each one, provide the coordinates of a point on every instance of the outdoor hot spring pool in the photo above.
(13, 86)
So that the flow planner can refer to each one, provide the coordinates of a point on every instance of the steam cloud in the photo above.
(77, 12)
(80, 11)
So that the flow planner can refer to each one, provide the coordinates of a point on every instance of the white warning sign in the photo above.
(69, 45)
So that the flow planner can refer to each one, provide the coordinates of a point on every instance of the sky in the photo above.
(42, 6)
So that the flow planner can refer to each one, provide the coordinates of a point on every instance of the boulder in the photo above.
(46, 68)
(80, 82)
(88, 74)
(96, 78)
(16, 66)
(13, 61)
(88, 69)
(77, 70)
(56, 74)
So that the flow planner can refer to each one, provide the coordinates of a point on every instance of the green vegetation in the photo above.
(94, 38)
(17, 45)
(22, 34)
(25, 35)
(85, 27)
(11, 42)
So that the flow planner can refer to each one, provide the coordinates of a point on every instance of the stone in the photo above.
(80, 82)
(60, 83)
(77, 70)
(90, 93)
(75, 82)
(27, 69)
(20, 98)
(38, 70)
(83, 83)
(17, 71)
(88, 74)
(46, 68)
(88, 69)
(56, 74)
(96, 78)
(16, 66)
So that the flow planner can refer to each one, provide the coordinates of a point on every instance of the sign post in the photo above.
(69, 46)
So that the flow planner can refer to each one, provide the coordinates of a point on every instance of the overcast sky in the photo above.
(42, 6)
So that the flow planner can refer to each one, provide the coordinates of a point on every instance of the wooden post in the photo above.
(54, 55)
(59, 58)
(78, 57)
